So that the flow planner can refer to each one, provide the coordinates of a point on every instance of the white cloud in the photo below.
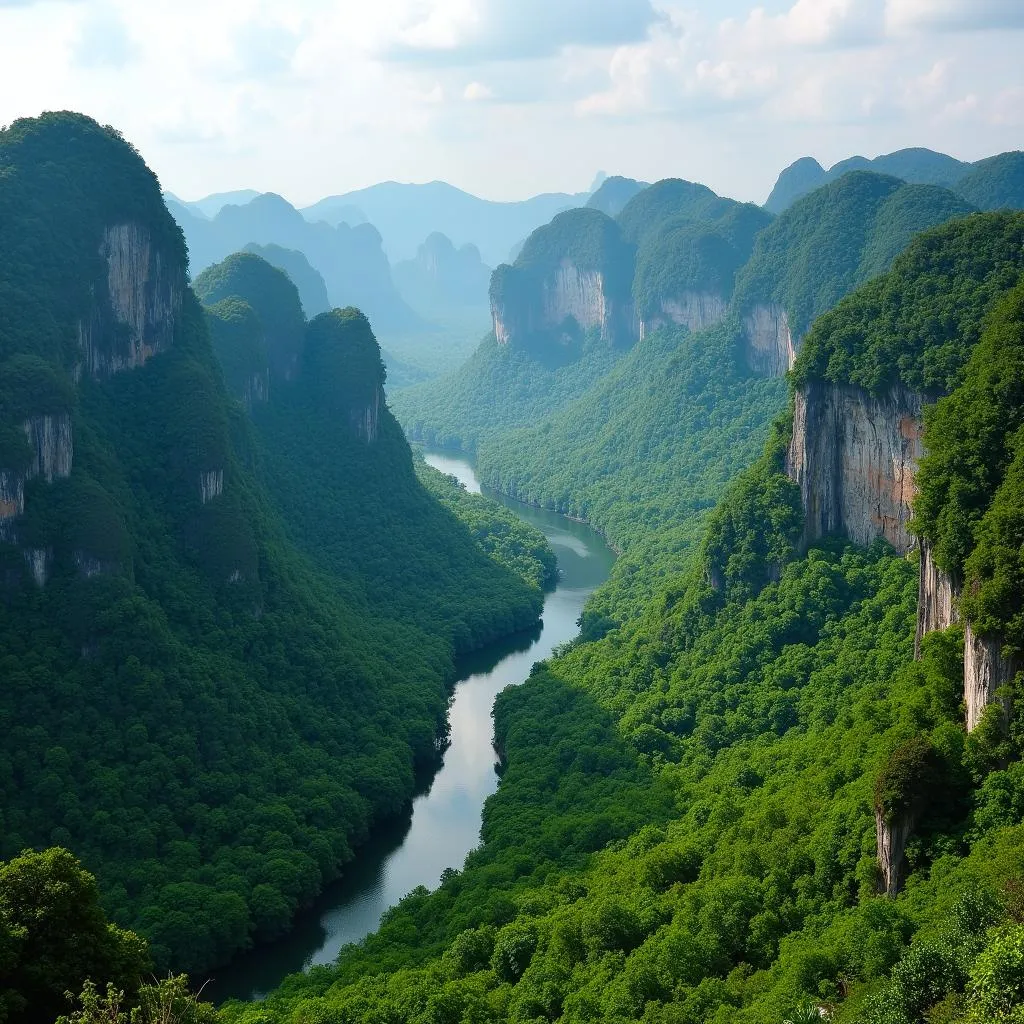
(509, 97)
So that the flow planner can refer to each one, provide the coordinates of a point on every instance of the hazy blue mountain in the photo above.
(211, 205)
(613, 194)
(442, 276)
(350, 259)
(406, 214)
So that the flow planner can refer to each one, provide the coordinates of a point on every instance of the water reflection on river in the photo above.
(443, 824)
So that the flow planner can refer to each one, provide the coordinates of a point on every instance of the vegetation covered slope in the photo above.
(208, 719)
(648, 450)
(916, 166)
(996, 183)
(834, 239)
(763, 716)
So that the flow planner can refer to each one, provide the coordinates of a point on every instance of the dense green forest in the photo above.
(230, 604)
(686, 825)
(225, 649)
(685, 239)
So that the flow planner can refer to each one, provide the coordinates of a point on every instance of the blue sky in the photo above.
(507, 98)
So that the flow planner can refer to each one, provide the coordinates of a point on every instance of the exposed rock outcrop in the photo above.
(52, 447)
(770, 348)
(569, 294)
(211, 485)
(693, 310)
(936, 598)
(986, 670)
(12, 502)
(257, 389)
(137, 316)
(854, 456)
(40, 562)
(891, 838)
(366, 420)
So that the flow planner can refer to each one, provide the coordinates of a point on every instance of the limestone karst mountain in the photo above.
(182, 662)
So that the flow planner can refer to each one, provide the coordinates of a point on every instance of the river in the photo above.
(443, 823)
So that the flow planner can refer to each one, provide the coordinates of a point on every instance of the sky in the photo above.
(508, 98)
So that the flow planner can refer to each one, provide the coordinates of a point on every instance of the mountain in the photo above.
(613, 193)
(309, 282)
(996, 183)
(349, 259)
(917, 166)
(211, 205)
(752, 800)
(821, 248)
(227, 636)
(586, 287)
(406, 214)
(442, 277)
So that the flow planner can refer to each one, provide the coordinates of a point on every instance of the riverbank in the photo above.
(443, 823)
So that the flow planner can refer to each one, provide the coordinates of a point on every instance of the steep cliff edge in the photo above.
(691, 309)
(770, 348)
(936, 598)
(135, 314)
(572, 278)
(823, 247)
(854, 456)
(856, 447)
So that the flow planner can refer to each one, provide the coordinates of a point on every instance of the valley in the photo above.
(320, 681)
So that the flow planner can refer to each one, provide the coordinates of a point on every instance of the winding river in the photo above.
(443, 823)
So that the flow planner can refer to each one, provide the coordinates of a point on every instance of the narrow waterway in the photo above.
(443, 824)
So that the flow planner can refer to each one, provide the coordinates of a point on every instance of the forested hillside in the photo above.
(677, 256)
(752, 802)
(224, 652)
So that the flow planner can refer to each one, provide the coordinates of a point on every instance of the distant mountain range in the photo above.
(916, 166)
(406, 214)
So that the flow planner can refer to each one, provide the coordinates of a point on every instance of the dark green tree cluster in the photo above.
(766, 702)
(917, 325)
(231, 672)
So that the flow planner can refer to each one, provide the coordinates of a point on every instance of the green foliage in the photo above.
(905, 213)
(918, 324)
(238, 343)
(499, 387)
(499, 532)
(64, 179)
(167, 1001)
(57, 937)
(272, 296)
(808, 258)
(907, 779)
(996, 183)
(670, 198)
(835, 239)
(971, 442)
(243, 651)
(645, 453)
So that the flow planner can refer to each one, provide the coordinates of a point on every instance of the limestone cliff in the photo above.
(854, 456)
(770, 347)
(693, 310)
(569, 296)
(936, 598)
(12, 501)
(365, 419)
(52, 448)
(211, 485)
(136, 316)
(986, 671)
(891, 839)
